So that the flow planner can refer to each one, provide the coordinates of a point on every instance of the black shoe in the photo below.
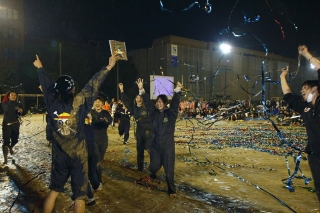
(91, 202)
(153, 176)
(125, 142)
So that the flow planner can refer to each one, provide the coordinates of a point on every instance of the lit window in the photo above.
(3, 12)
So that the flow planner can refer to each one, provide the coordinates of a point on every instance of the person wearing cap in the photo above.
(10, 123)
(163, 119)
(143, 132)
(67, 113)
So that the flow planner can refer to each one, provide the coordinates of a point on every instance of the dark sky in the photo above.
(139, 22)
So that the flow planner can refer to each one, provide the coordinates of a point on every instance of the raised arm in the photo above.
(174, 105)
(45, 81)
(124, 98)
(284, 84)
(303, 50)
(146, 99)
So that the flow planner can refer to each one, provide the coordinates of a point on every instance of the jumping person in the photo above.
(144, 132)
(67, 113)
(162, 152)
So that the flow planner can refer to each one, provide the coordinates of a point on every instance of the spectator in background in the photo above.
(11, 123)
(124, 125)
(114, 114)
(106, 106)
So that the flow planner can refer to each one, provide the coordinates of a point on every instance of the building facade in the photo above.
(11, 37)
(208, 74)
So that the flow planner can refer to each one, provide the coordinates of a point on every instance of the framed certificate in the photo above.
(118, 48)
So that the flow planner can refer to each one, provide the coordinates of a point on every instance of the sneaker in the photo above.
(125, 142)
(91, 201)
(99, 188)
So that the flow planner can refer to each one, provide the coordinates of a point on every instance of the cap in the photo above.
(64, 84)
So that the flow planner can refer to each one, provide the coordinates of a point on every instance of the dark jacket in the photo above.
(311, 117)
(140, 114)
(67, 120)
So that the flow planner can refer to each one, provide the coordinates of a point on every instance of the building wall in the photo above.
(11, 35)
(221, 76)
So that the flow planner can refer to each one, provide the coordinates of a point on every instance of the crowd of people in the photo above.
(78, 126)
(239, 110)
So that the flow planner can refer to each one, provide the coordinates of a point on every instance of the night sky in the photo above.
(283, 24)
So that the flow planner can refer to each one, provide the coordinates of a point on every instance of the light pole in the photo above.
(117, 81)
(225, 48)
(60, 61)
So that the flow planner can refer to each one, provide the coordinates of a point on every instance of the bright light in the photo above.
(225, 48)
(312, 66)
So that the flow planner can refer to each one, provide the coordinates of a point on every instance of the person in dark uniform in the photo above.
(11, 123)
(67, 113)
(101, 119)
(308, 107)
(124, 125)
(163, 119)
(96, 125)
(144, 132)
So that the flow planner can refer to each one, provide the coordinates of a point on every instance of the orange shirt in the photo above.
(106, 107)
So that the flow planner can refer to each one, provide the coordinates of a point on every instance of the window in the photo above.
(16, 14)
(16, 54)
(9, 15)
(5, 32)
(3, 12)
(11, 53)
(16, 34)
(6, 53)
(10, 33)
